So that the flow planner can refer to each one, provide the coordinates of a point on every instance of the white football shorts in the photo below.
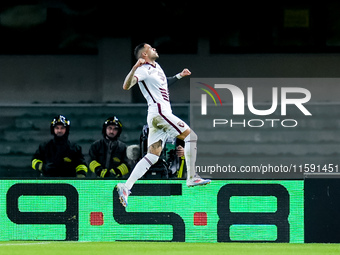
(164, 125)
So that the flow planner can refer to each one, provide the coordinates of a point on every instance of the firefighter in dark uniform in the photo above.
(59, 157)
(108, 155)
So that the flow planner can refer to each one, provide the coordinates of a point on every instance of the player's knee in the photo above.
(192, 137)
(155, 148)
(152, 158)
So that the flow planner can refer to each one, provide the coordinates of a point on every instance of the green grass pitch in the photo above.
(150, 248)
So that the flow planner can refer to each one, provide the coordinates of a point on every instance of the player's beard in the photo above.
(154, 57)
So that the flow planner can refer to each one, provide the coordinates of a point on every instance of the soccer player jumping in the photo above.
(162, 123)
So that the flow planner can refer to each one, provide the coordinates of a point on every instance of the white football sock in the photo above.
(141, 168)
(190, 153)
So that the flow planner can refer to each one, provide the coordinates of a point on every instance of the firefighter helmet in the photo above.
(60, 119)
(112, 121)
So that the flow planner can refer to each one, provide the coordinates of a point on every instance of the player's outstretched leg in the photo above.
(123, 193)
(140, 169)
(197, 181)
(190, 152)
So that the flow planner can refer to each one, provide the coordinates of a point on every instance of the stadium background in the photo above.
(70, 58)
(64, 57)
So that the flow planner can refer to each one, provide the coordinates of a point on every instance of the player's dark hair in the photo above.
(138, 48)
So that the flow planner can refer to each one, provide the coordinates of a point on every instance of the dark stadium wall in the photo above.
(322, 196)
(97, 78)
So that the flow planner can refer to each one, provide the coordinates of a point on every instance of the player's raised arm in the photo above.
(172, 80)
(130, 79)
(185, 72)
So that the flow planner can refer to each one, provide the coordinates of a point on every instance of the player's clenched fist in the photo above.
(130, 80)
(185, 72)
(139, 63)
